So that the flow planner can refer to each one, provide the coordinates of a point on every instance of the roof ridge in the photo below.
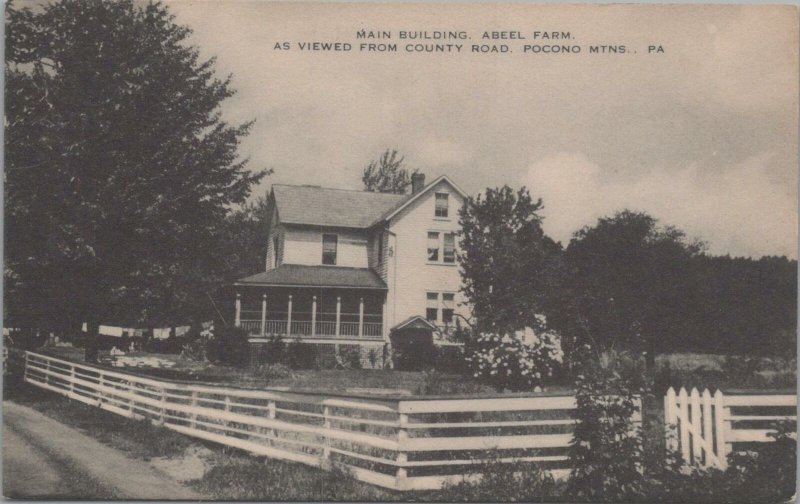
(341, 189)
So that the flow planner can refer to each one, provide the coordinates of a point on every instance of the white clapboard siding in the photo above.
(703, 429)
(383, 441)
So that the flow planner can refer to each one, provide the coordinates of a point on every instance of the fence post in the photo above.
(683, 413)
(47, 372)
(326, 443)
(163, 417)
(132, 400)
(25, 371)
(708, 431)
(271, 414)
(721, 415)
(193, 423)
(697, 452)
(402, 456)
(71, 378)
(101, 385)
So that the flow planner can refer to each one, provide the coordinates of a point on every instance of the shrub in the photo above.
(196, 350)
(271, 372)
(606, 452)
(521, 361)
(350, 356)
(275, 350)
(451, 359)
(502, 482)
(229, 346)
(300, 356)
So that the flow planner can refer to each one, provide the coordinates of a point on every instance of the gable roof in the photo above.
(321, 206)
(413, 197)
(415, 322)
(297, 275)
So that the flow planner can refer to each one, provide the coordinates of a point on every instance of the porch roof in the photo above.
(297, 275)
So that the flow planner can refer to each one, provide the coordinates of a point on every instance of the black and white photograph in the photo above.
(395, 252)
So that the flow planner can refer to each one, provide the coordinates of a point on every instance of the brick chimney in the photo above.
(417, 182)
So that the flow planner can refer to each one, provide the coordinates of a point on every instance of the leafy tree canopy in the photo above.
(628, 280)
(120, 170)
(387, 174)
(510, 269)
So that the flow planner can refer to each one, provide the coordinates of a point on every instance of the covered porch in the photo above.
(345, 305)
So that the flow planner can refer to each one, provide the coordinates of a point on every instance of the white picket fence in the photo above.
(396, 443)
(705, 428)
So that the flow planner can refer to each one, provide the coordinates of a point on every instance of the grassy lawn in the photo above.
(352, 381)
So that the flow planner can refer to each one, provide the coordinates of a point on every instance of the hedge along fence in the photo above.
(397, 443)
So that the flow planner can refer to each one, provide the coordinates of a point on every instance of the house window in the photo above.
(442, 203)
(449, 255)
(275, 250)
(432, 307)
(329, 243)
(441, 247)
(380, 248)
(433, 247)
(448, 304)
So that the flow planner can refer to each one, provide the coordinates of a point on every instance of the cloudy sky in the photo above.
(703, 136)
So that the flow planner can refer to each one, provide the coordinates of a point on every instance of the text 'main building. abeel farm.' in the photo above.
(357, 267)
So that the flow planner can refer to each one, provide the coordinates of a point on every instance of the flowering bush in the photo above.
(520, 361)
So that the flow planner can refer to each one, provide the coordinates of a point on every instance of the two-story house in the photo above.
(356, 267)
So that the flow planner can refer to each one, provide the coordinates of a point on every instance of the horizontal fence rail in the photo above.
(706, 428)
(394, 443)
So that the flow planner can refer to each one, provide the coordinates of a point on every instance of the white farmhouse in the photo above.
(357, 268)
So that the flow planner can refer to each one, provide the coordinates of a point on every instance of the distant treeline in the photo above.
(738, 306)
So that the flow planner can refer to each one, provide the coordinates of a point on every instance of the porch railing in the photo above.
(323, 329)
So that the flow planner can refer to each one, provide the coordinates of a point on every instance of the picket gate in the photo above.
(704, 428)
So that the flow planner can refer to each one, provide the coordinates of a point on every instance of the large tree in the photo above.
(387, 174)
(511, 270)
(119, 167)
(630, 283)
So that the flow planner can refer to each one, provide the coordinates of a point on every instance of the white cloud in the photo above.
(741, 211)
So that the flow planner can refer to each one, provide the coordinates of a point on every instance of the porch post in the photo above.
(289, 318)
(360, 317)
(314, 316)
(263, 315)
(338, 313)
(238, 320)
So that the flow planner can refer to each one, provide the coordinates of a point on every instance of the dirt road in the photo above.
(45, 459)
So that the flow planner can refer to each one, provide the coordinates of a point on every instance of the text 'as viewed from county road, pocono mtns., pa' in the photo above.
(505, 42)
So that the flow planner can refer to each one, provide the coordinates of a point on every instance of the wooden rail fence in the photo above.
(397, 443)
(706, 428)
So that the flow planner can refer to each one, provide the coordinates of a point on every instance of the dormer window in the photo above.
(329, 246)
(442, 205)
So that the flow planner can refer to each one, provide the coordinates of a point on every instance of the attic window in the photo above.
(329, 245)
(442, 204)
